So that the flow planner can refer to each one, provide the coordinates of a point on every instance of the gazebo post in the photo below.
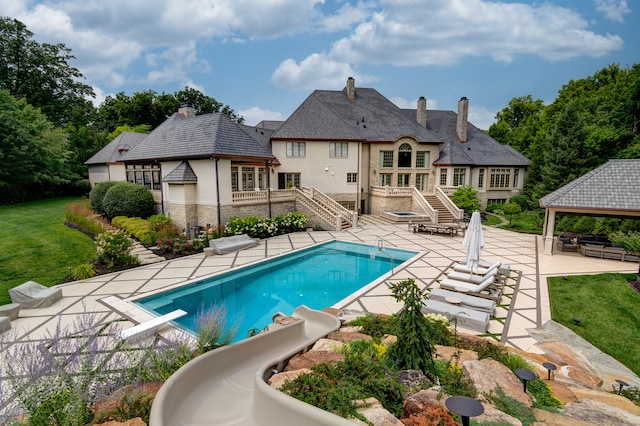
(549, 227)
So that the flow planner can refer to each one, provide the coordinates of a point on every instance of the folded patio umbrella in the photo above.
(474, 241)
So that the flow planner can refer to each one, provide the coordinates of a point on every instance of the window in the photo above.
(443, 177)
(403, 179)
(516, 173)
(458, 176)
(262, 178)
(234, 179)
(422, 181)
(386, 158)
(147, 174)
(338, 149)
(423, 159)
(288, 180)
(296, 149)
(481, 178)
(352, 177)
(499, 178)
(496, 201)
(385, 179)
(248, 179)
(349, 205)
(404, 155)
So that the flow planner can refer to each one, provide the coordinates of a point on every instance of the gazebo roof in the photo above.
(611, 187)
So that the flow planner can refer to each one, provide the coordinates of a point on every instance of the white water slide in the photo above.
(227, 386)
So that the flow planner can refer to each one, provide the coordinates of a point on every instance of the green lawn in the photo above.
(609, 310)
(36, 245)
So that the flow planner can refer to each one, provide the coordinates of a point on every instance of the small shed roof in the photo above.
(611, 187)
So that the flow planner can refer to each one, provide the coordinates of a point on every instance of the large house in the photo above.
(339, 154)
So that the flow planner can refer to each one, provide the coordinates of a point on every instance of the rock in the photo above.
(332, 311)
(348, 315)
(309, 359)
(613, 400)
(557, 419)
(351, 329)
(493, 415)
(347, 337)
(373, 411)
(277, 380)
(131, 422)
(388, 339)
(104, 406)
(573, 368)
(327, 345)
(423, 401)
(488, 375)
(411, 378)
(597, 413)
(562, 392)
(283, 320)
(447, 353)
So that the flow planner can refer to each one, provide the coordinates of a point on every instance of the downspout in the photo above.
(268, 186)
(218, 197)
(358, 181)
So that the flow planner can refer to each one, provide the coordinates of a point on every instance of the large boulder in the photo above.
(375, 413)
(279, 379)
(311, 358)
(488, 375)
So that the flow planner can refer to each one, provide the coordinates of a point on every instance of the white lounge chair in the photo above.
(233, 243)
(149, 328)
(472, 278)
(465, 300)
(488, 289)
(33, 295)
(480, 270)
(466, 317)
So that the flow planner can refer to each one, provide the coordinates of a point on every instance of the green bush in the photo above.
(138, 228)
(466, 198)
(585, 225)
(113, 249)
(177, 244)
(97, 195)
(264, 227)
(82, 272)
(523, 201)
(493, 208)
(128, 199)
(80, 215)
(291, 222)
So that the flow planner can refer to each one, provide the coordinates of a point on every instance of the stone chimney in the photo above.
(421, 114)
(351, 88)
(187, 111)
(463, 114)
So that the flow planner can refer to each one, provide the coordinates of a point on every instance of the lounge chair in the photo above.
(480, 270)
(466, 300)
(466, 317)
(233, 243)
(149, 328)
(489, 288)
(5, 324)
(471, 277)
(33, 295)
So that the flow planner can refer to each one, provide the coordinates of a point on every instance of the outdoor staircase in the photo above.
(326, 208)
(444, 215)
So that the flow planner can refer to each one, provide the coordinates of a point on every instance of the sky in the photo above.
(264, 57)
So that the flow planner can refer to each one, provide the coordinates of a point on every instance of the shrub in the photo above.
(255, 227)
(523, 201)
(82, 187)
(511, 406)
(138, 228)
(211, 325)
(97, 195)
(128, 199)
(80, 214)
(291, 222)
(493, 207)
(82, 272)
(585, 225)
(178, 244)
(466, 198)
(113, 249)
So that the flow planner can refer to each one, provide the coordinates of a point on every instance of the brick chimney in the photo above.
(187, 111)
(351, 89)
(463, 114)
(421, 114)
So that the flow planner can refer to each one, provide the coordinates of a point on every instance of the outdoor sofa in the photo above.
(33, 295)
(603, 252)
(233, 243)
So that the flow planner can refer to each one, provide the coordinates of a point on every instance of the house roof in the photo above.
(115, 150)
(181, 174)
(330, 115)
(612, 186)
(202, 136)
(480, 149)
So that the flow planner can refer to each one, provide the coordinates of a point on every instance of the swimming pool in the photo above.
(317, 277)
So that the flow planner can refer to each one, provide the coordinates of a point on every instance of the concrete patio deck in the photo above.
(525, 305)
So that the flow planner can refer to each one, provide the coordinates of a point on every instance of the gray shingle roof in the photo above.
(202, 136)
(182, 173)
(115, 150)
(612, 186)
(330, 115)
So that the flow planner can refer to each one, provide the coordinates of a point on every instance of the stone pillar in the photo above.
(547, 232)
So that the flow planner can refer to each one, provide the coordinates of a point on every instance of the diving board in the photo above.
(149, 328)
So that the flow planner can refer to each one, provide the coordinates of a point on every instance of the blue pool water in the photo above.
(317, 277)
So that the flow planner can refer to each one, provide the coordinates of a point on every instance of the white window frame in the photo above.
(339, 150)
(296, 149)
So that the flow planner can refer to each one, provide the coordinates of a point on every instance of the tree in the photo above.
(40, 73)
(32, 150)
(630, 242)
(466, 198)
(510, 209)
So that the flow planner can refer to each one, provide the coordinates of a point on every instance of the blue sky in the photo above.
(264, 57)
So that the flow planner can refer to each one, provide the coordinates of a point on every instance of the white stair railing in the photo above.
(456, 212)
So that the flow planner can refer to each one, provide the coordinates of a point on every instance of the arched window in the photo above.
(404, 155)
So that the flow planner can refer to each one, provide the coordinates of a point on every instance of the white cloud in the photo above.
(481, 117)
(254, 115)
(614, 10)
(347, 16)
(443, 32)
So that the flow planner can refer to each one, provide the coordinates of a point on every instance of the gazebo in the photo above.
(612, 189)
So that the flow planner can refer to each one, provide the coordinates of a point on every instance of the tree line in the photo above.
(48, 124)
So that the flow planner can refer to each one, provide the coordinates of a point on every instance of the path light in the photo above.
(577, 321)
(465, 407)
(525, 375)
(550, 367)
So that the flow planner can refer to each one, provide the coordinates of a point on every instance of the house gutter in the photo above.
(267, 164)
(218, 196)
